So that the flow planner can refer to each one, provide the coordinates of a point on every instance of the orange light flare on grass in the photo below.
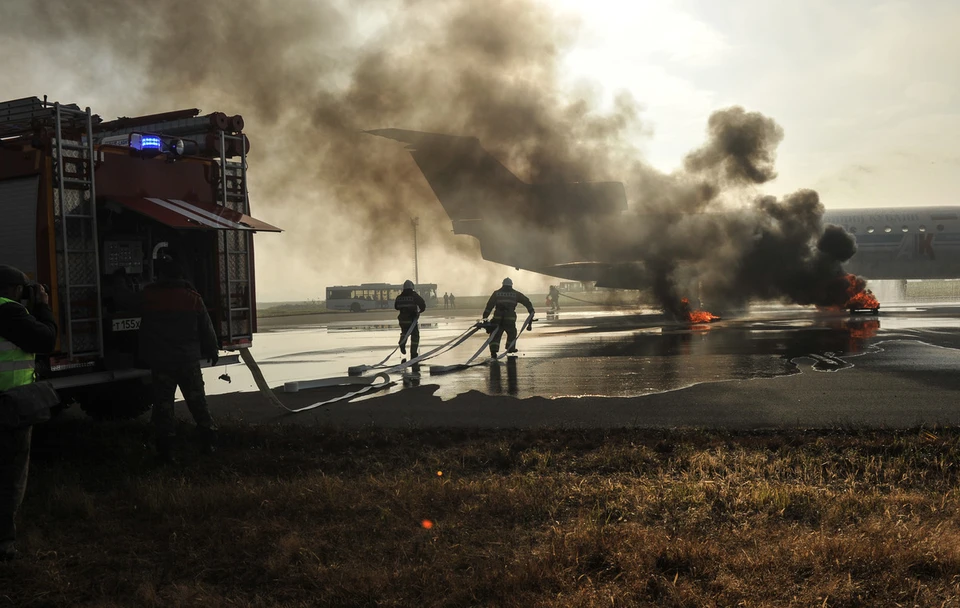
(426, 524)
(858, 296)
(695, 316)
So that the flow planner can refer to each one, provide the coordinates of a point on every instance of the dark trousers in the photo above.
(414, 335)
(506, 326)
(14, 465)
(165, 383)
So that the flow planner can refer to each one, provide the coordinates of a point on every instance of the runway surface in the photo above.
(771, 367)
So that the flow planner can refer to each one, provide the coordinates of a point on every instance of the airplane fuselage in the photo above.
(902, 242)
(586, 232)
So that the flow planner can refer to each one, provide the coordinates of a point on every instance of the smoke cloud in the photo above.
(310, 77)
(741, 147)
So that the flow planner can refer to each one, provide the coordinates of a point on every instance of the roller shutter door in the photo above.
(18, 228)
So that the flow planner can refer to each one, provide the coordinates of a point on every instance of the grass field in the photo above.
(305, 517)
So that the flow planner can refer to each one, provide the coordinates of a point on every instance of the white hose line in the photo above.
(442, 369)
(526, 323)
(370, 386)
(452, 344)
(247, 357)
(273, 399)
(360, 369)
(370, 382)
(296, 386)
(600, 303)
(493, 334)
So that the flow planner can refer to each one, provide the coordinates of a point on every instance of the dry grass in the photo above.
(301, 517)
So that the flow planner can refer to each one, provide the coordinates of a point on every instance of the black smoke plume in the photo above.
(311, 76)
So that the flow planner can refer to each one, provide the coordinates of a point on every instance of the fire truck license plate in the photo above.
(126, 324)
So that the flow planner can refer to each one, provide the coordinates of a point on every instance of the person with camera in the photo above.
(23, 333)
(175, 334)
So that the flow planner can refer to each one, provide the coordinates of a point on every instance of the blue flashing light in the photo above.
(151, 142)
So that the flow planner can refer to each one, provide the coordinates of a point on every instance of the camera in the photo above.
(32, 292)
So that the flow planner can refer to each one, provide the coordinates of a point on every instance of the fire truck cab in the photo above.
(87, 208)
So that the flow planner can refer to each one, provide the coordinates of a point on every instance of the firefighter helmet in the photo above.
(408, 284)
(507, 282)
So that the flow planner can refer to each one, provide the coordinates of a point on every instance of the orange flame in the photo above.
(427, 524)
(858, 296)
(864, 330)
(695, 316)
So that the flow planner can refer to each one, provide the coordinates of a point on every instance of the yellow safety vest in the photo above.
(16, 366)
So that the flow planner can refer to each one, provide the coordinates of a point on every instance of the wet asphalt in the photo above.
(771, 367)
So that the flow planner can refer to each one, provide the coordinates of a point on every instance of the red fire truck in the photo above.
(88, 205)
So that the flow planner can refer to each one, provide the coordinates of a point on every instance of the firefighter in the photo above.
(503, 303)
(555, 297)
(23, 333)
(410, 305)
(175, 334)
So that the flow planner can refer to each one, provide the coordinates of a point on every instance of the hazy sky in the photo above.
(867, 92)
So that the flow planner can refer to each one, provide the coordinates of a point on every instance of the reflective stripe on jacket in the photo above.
(410, 305)
(16, 365)
(504, 302)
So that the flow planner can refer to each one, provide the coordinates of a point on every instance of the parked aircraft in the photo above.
(564, 230)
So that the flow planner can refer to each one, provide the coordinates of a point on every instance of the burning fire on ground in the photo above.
(858, 296)
(695, 316)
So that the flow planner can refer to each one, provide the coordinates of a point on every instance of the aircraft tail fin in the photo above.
(467, 180)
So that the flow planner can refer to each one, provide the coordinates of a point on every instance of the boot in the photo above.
(208, 440)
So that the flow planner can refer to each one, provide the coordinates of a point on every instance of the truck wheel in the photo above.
(117, 400)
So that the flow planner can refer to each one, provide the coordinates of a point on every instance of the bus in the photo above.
(373, 296)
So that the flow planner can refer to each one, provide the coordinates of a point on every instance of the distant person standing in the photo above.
(453, 301)
(555, 297)
(410, 305)
(446, 300)
(23, 333)
(175, 334)
(503, 303)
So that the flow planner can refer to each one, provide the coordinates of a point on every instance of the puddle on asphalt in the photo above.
(610, 355)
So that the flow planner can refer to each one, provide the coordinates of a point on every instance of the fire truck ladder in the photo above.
(78, 263)
(237, 302)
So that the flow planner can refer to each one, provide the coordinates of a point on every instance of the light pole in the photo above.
(416, 266)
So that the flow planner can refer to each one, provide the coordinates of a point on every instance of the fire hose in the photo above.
(358, 370)
(599, 303)
(369, 383)
(450, 345)
(382, 379)
(443, 369)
